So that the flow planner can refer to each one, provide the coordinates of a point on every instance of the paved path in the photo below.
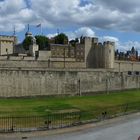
(127, 128)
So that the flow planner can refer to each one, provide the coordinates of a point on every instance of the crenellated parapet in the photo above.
(98, 55)
(7, 44)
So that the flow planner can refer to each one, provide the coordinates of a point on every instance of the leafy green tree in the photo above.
(42, 41)
(27, 42)
(61, 39)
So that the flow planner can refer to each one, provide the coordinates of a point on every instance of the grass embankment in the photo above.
(48, 105)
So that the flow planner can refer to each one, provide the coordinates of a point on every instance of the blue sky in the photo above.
(107, 19)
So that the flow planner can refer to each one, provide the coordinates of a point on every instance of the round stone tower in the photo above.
(109, 50)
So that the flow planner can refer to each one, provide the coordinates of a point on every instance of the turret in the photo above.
(109, 54)
(88, 51)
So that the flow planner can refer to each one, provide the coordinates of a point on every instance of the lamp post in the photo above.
(64, 56)
(79, 83)
(119, 67)
(132, 67)
(49, 63)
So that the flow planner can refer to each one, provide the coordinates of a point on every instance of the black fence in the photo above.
(103, 113)
(62, 120)
(36, 123)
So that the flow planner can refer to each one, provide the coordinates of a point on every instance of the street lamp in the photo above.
(64, 56)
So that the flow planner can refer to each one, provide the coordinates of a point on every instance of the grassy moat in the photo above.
(49, 105)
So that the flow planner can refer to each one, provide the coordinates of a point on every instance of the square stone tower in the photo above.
(89, 50)
(7, 44)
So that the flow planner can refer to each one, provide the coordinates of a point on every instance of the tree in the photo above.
(27, 42)
(73, 42)
(42, 42)
(61, 39)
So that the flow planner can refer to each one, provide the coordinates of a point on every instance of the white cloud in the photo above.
(9, 7)
(104, 14)
(15, 13)
(110, 38)
(82, 14)
(121, 46)
(99, 13)
(51, 35)
(83, 31)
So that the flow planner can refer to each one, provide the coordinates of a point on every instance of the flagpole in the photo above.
(41, 29)
(58, 31)
(14, 33)
(28, 28)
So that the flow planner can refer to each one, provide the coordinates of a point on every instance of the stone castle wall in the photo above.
(125, 66)
(27, 82)
(17, 62)
(29, 62)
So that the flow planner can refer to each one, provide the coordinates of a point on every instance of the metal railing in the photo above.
(61, 120)
(103, 113)
(36, 123)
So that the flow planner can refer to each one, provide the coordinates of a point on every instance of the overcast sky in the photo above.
(115, 20)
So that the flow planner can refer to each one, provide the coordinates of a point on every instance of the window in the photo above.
(137, 72)
(129, 72)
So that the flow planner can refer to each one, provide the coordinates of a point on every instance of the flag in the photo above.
(39, 25)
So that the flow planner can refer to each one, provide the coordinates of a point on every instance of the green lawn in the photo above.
(47, 105)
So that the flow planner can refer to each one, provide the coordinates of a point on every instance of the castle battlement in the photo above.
(7, 38)
(98, 54)
(7, 44)
(109, 43)
(89, 51)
